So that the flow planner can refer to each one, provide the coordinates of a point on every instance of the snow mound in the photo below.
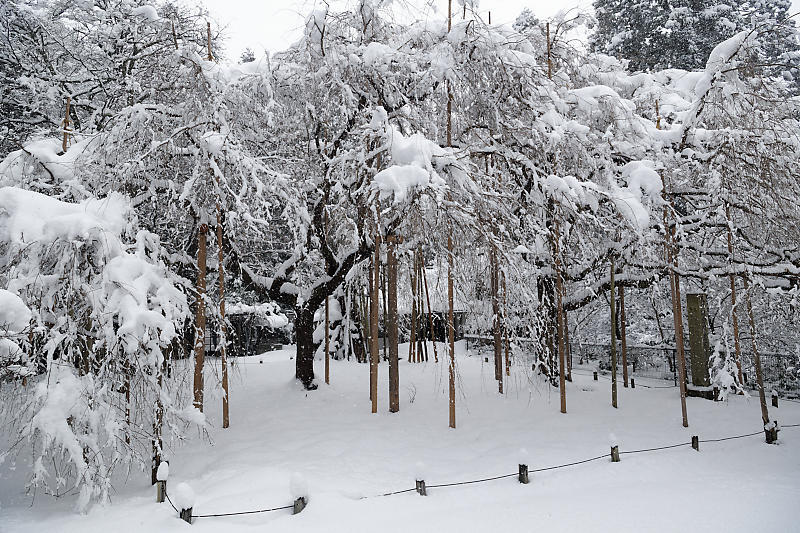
(183, 496)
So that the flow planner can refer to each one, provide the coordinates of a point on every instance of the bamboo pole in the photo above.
(422, 342)
(613, 340)
(560, 314)
(732, 278)
(200, 318)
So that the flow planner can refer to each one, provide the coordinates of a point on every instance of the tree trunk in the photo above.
(498, 342)
(762, 397)
(200, 319)
(734, 318)
(304, 336)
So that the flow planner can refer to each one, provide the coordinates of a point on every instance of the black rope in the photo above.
(390, 493)
(659, 448)
(243, 512)
(469, 482)
(170, 502)
(568, 464)
(734, 437)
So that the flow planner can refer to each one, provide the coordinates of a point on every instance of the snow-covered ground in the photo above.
(345, 453)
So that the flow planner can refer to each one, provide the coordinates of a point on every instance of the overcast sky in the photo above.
(275, 24)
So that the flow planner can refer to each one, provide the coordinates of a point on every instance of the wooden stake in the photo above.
(613, 340)
(615, 454)
(559, 312)
(696, 442)
(223, 329)
(391, 324)
(451, 330)
(200, 318)
(623, 334)
(523, 474)
(413, 356)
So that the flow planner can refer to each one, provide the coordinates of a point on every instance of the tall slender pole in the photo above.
(505, 323)
(624, 335)
(374, 355)
(732, 278)
(562, 374)
(200, 318)
(450, 313)
(762, 397)
(613, 340)
(391, 324)
(674, 283)
(413, 356)
(327, 323)
(223, 338)
(498, 340)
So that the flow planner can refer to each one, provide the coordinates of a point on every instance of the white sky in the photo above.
(275, 24)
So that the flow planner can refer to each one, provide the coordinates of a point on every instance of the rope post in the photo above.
(595, 375)
(523, 474)
(162, 473)
(775, 399)
(696, 442)
(615, 454)
(421, 487)
(161, 490)
(633, 384)
(299, 505)
(716, 394)
(186, 515)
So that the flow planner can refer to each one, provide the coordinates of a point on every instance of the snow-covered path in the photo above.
(345, 453)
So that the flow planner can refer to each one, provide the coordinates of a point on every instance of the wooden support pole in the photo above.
(613, 340)
(299, 505)
(633, 383)
(770, 430)
(413, 356)
(451, 330)
(421, 490)
(161, 491)
(391, 324)
(200, 318)
(775, 399)
(623, 335)
(562, 366)
(374, 355)
(223, 329)
(186, 515)
(696, 442)
(594, 375)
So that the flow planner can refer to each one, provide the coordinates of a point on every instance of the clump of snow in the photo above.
(613, 440)
(412, 165)
(213, 142)
(377, 54)
(147, 11)
(183, 496)
(298, 486)
(28, 216)
(163, 471)
(14, 314)
(419, 470)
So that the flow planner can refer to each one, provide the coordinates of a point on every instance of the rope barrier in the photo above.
(494, 478)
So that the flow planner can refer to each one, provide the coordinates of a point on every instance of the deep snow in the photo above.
(329, 439)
